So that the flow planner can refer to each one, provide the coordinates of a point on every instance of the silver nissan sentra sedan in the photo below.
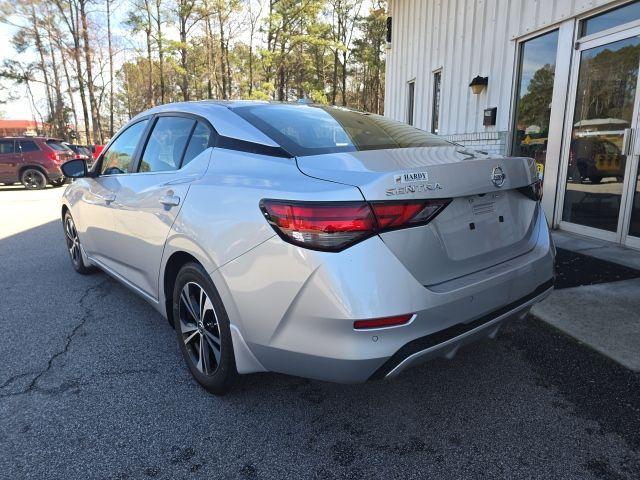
(309, 240)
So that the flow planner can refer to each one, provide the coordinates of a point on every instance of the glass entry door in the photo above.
(599, 156)
(632, 217)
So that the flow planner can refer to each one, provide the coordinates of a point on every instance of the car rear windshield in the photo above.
(56, 145)
(314, 130)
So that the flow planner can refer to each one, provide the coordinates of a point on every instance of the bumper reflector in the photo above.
(382, 322)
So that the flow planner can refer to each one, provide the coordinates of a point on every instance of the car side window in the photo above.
(119, 155)
(166, 144)
(28, 146)
(6, 146)
(198, 143)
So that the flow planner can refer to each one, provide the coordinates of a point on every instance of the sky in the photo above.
(20, 109)
(23, 110)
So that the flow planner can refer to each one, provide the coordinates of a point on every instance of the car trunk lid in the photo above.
(487, 222)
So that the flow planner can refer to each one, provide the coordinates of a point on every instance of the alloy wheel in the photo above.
(199, 328)
(34, 179)
(73, 242)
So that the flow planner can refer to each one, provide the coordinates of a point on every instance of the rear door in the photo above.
(31, 153)
(148, 200)
(10, 160)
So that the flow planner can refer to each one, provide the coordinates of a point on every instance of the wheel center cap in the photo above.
(200, 326)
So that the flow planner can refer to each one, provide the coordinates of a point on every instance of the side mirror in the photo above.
(75, 168)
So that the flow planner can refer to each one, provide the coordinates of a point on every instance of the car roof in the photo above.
(221, 116)
(27, 137)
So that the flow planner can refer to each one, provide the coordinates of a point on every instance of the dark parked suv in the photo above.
(33, 161)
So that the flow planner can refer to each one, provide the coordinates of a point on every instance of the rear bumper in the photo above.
(295, 308)
(55, 173)
(445, 343)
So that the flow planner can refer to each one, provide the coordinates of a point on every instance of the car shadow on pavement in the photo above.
(93, 385)
(19, 187)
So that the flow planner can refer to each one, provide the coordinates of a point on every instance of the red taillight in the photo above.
(333, 226)
(392, 215)
(382, 322)
(323, 226)
(55, 157)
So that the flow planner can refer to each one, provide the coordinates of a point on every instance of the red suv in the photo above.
(32, 161)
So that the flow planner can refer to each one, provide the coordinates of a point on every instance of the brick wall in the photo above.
(490, 142)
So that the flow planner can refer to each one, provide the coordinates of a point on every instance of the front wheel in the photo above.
(73, 245)
(33, 179)
(203, 330)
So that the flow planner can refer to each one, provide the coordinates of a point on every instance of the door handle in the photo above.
(170, 200)
(108, 197)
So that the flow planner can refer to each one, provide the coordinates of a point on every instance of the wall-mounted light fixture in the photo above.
(478, 84)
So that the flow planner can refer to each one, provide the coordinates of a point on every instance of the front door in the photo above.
(95, 221)
(602, 139)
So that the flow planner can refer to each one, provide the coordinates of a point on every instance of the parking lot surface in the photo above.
(92, 386)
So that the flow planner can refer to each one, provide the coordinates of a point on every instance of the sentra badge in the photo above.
(421, 187)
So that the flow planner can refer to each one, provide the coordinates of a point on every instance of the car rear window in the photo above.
(57, 146)
(314, 130)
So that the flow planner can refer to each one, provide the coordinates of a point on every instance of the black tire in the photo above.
(33, 179)
(216, 369)
(595, 179)
(59, 182)
(73, 246)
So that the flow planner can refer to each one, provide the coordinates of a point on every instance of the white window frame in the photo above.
(410, 114)
(440, 71)
(559, 103)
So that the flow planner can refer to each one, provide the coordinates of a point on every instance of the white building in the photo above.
(562, 76)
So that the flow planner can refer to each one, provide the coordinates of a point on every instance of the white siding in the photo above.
(466, 38)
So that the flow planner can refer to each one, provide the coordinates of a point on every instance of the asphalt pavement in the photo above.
(92, 386)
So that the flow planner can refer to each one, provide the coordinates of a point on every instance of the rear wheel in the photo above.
(595, 179)
(33, 179)
(73, 245)
(203, 330)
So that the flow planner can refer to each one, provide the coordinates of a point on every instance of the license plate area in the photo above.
(486, 204)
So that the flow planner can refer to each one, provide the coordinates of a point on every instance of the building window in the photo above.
(411, 98)
(610, 19)
(534, 92)
(435, 108)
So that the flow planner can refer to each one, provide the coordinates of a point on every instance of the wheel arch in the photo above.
(246, 361)
(173, 265)
(35, 167)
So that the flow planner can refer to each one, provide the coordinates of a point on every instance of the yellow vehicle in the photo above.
(596, 158)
